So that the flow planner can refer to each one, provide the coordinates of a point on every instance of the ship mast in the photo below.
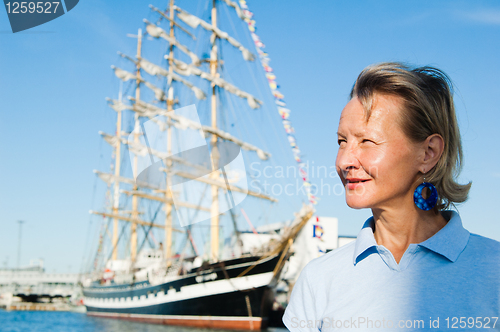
(177, 69)
(133, 226)
(116, 194)
(170, 104)
(214, 220)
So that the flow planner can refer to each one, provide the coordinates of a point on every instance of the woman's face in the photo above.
(376, 162)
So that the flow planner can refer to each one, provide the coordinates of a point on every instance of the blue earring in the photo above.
(430, 202)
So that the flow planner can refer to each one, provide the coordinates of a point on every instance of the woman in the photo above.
(413, 266)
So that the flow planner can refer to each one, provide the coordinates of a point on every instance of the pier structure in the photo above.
(31, 288)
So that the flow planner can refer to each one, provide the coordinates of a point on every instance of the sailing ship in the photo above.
(226, 284)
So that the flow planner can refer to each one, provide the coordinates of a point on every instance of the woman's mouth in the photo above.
(353, 183)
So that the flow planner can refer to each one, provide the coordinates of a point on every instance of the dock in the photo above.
(32, 289)
(29, 306)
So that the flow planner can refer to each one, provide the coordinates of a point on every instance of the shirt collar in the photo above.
(449, 242)
(365, 239)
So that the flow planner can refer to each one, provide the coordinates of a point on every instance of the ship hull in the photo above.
(223, 311)
(217, 297)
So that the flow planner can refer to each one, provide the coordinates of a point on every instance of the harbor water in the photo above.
(39, 321)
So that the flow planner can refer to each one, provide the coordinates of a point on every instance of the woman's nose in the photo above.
(347, 158)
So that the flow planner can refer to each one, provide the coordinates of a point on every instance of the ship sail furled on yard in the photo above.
(187, 181)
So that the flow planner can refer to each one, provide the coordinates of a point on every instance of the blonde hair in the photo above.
(428, 109)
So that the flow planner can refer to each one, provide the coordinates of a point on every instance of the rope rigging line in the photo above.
(149, 229)
(279, 99)
(253, 125)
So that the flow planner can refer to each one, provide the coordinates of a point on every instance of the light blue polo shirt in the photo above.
(450, 282)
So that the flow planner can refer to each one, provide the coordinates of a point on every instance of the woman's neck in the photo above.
(396, 229)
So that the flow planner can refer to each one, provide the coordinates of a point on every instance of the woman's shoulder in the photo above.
(483, 252)
(484, 244)
(335, 260)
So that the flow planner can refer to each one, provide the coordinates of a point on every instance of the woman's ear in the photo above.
(434, 147)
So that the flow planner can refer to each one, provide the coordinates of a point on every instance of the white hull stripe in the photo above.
(187, 292)
(205, 318)
(176, 278)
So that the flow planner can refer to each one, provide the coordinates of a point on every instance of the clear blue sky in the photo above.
(54, 78)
